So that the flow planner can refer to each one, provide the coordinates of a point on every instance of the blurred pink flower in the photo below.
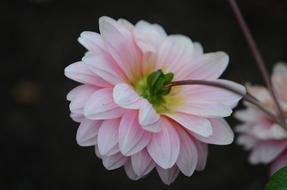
(127, 126)
(265, 138)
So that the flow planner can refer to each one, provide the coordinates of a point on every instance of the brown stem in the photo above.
(258, 58)
(247, 97)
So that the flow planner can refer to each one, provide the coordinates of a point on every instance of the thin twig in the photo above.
(258, 58)
(247, 97)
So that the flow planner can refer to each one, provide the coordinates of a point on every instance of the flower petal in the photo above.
(261, 93)
(149, 119)
(101, 106)
(125, 96)
(132, 138)
(114, 161)
(103, 65)
(195, 124)
(197, 49)
(279, 79)
(248, 115)
(79, 96)
(187, 158)
(167, 175)
(80, 91)
(87, 132)
(208, 66)
(148, 36)
(142, 163)
(81, 73)
(174, 54)
(92, 41)
(209, 94)
(130, 172)
(108, 136)
(266, 151)
(265, 130)
(205, 109)
(222, 133)
(248, 142)
(120, 43)
(97, 152)
(77, 117)
(125, 23)
(202, 151)
(280, 69)
(164, 146)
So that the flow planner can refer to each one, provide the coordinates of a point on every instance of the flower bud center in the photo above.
(155, 88)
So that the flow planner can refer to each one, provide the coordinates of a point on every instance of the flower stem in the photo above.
(247, 97)
(258, 58)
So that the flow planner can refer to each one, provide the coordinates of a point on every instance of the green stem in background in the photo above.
(258, 58)
(247, 97)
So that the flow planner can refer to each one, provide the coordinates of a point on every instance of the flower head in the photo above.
(128, 112)
(258, 133)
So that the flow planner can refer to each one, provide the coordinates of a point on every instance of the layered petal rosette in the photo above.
(258, 133)
(127, 114)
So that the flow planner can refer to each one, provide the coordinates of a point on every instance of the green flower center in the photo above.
(155, 89)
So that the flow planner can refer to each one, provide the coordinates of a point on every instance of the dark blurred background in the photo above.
(38, 150)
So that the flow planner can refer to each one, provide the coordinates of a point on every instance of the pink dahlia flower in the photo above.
(130, 121)
(258, 133)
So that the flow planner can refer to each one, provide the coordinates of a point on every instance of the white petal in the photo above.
(205, 109)
(202, 150)
(148, 36)
(195, 124)
(167, 175)
(149, 119)
(92, 41)
(87, 132)
(79, 91)
(188, 157)
(77, 117)
(98, 154)
(141, 163)
(114, 161)
(174, 54)
(132, 138)
(247, 141)
(125, 23)
(280, 69)
(197, 49)
(222, 133)
(130, 172)
(126, 97)
(120, 43)
(103, 65)
(80, 72)
(261, 93)
(279, 80)
(101, 106)
(164, 146)
(209, 66)
(79, 96)
(214, 95)
(108, 136)
(246, 115)
(266, 151)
